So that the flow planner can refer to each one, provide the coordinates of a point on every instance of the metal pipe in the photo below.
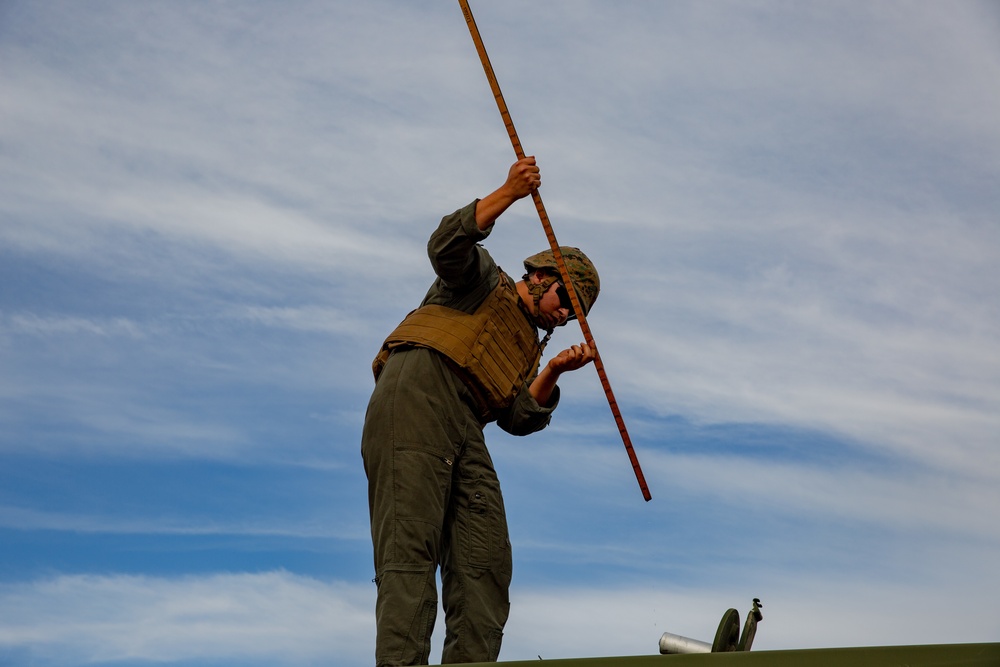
(671, 643)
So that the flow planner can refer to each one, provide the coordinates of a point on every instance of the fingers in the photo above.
(524, 176)
(574, 357)
(584, 353)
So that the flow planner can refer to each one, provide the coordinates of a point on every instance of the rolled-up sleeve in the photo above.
(525, 415)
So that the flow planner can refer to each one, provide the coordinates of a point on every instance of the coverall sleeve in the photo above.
(452, 247)
(525, 415)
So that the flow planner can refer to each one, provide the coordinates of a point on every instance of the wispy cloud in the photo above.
(31, 324)
(16, 518)
(271, 617)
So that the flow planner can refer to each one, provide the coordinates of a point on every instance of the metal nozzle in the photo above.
(671, 643)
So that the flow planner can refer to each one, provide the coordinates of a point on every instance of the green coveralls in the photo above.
(433, 493)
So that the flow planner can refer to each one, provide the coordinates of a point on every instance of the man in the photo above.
(466, 357)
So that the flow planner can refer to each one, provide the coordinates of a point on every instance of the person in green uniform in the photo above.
(468, 356)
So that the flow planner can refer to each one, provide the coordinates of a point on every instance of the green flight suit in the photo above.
(433, 494)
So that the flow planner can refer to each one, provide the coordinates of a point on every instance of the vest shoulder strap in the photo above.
(495, 349)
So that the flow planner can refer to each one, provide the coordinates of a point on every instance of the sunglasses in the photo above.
(564, 300)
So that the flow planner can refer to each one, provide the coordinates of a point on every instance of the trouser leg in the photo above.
(476, 566)
(404, 615)
(407, 512)
(408, 450)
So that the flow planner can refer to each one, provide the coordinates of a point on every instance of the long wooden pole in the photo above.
(550, 235)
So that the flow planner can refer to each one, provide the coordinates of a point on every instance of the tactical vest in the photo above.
(495, 350)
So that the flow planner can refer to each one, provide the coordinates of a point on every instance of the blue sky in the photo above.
(212, 213)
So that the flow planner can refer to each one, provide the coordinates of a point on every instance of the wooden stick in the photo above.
(550, 235)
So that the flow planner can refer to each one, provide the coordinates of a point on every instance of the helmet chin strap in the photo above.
(537, 291)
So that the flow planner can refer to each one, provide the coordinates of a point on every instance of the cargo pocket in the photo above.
(421, 483)
(479, 527)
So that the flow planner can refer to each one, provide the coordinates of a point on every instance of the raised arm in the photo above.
(522, 178)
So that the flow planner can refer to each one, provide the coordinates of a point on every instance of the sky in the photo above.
(211, 214)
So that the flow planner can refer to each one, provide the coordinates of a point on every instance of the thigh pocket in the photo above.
(421, 484)
(479, 529)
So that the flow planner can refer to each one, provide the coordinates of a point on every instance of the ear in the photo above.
(538, 276)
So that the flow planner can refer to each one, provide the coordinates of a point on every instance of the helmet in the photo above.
(586, 282)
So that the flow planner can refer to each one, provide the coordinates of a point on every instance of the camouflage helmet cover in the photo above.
(586, 282)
